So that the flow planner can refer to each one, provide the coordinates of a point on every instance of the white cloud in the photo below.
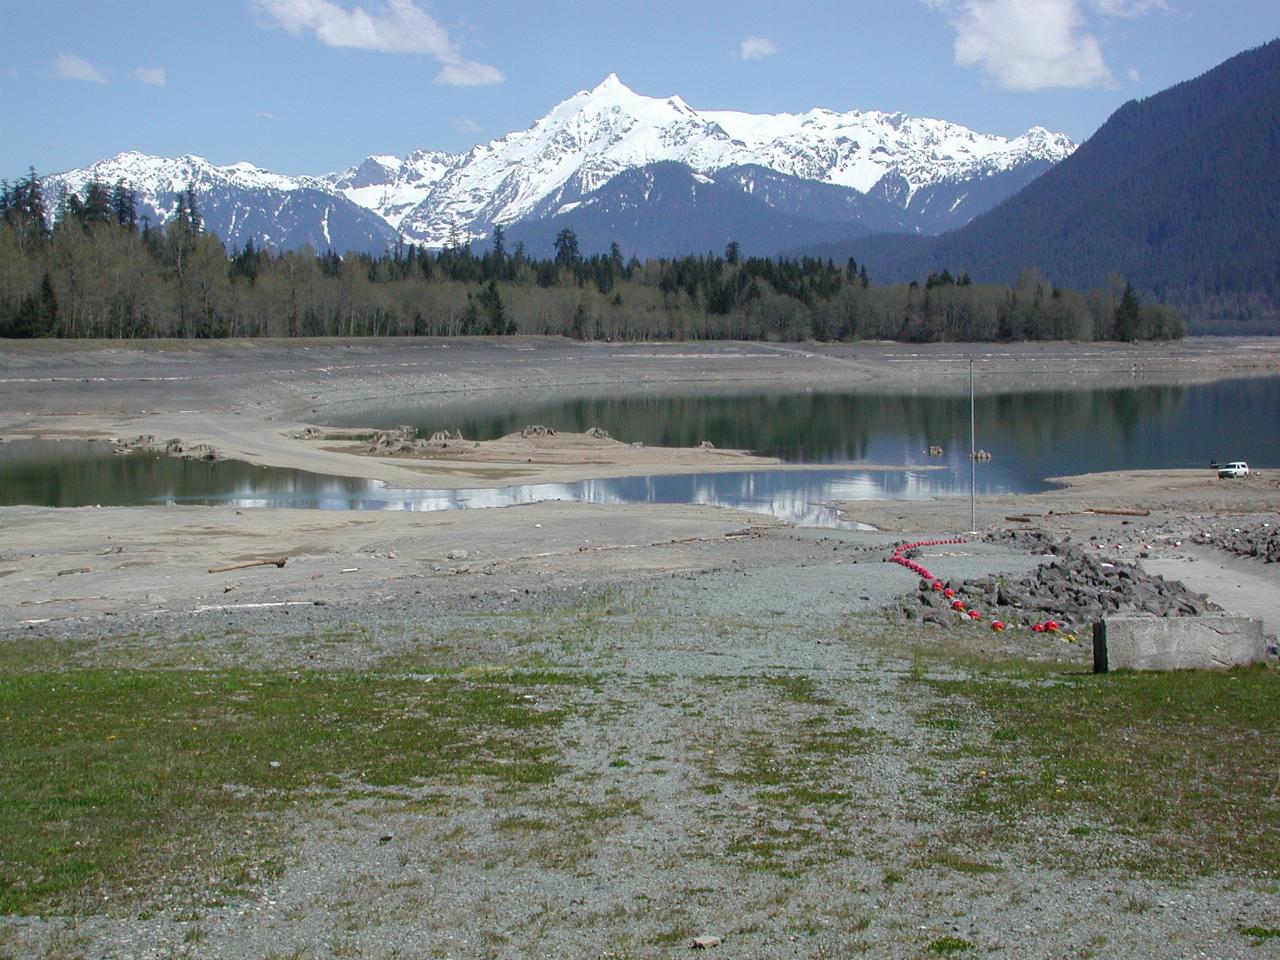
(395, 26)
(71, 67)
(1028, 44)
(152, 75)
(1128, 8)
(468, 73)
(1134, 75)
(265, 115)
(757, 48)
(1034, 44)
(466, 125)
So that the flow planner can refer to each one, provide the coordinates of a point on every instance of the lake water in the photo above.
(77, 473)
(1031, 436)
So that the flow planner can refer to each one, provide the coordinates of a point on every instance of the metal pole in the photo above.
(973, 458)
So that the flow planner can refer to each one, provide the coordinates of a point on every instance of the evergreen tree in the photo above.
(567, 248)
(1127, 314)
(96, 207)
(195, 222)
(124, 204)
(37, 316)
(47, 318)
(470, 318)
(24, 210)
(246, 263)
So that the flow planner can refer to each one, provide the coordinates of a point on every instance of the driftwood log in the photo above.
(270, 561)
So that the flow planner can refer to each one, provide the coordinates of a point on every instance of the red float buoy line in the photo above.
(898, 558)
(958, 605)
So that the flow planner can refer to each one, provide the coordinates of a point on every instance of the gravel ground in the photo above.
(630, 852)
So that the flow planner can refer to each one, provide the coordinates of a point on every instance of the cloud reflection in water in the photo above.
(802, 497)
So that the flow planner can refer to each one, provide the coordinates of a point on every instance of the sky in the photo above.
(312, 86)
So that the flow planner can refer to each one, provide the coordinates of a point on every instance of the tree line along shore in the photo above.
(97, 271)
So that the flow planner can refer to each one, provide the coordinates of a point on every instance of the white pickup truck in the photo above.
(1237, 468)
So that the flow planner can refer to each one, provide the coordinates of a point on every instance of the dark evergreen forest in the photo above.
(97, 272)
(1178, 192)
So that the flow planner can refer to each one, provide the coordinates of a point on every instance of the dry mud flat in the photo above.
(724, 727)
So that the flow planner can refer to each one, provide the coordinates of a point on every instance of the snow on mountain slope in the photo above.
(390, 186)
(238, 202)
(857, 149)
(158, 180)
(596, 134)
(938, 175)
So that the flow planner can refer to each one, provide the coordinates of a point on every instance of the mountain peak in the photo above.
(611, 82)
(610, 91)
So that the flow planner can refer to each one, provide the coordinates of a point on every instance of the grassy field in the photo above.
(133, 789)
(1185, 762)
(114, 783)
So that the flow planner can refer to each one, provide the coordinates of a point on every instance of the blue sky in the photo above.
(308, 86)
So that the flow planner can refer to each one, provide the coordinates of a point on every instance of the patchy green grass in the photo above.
(118, 779)
(795, 767)
(797, 689)
(949, 944)
(959, 863)
(1183, 761)
(1261, 933)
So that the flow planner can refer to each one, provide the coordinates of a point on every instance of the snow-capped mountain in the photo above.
(890, 172)
(238, 202)
(596, 134)
(390, 186)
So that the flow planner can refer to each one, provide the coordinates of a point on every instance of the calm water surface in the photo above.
(77, 473)
(1031, 436)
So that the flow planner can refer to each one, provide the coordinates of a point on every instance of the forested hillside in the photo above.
(96, 273)
(1178, 192)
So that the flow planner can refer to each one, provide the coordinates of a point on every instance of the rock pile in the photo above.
(537, 430)
(444, 436)
(1261, 541)
(1074, 587)
(599, 433)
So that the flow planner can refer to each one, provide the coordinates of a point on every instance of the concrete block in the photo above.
(1176, 643)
